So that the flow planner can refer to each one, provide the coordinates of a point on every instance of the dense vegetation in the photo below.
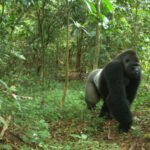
(43, 44)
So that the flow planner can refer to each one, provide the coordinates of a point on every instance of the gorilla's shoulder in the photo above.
(113, 66)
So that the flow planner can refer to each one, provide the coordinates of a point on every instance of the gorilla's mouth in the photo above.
(135, 69)
(135, 73)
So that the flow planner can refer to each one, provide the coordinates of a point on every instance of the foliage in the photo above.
(49, 127)
(106, 7)
(32, 48)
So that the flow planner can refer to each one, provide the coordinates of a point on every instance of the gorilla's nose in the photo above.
(135, 69)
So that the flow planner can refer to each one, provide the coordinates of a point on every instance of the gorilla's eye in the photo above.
(127, 60)
(136, 60)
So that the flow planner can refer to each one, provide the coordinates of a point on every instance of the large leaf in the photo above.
(24, 2)
(107, 6)
(17, 54)
(79, 26)
(91, 6)
(4, 84)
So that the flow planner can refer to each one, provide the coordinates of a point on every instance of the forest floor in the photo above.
(41, 123)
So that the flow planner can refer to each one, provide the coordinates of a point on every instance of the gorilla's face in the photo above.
(132, 66)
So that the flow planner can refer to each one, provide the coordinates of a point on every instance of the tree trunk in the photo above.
(57, 59)
(135, 31)
(67, 56)
(40, 15)
(79, 51)
(70, 57)
(96, 56)
(3, 7)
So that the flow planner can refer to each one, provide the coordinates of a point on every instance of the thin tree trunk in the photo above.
(3, 7)
(135, 34)
(96, 56)
(79, 51)
(43, 47)
(70, 57)
(67, 56)
(57, 61)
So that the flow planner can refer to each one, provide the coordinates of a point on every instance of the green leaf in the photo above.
(77, 24)
(2, 62)
(147, 136)
(5, 85)
(76, 136)
(5, 146)
(43, 134)
(102, 17)
(84, 136)
(25, 2)
(18, 55)
(90, 6)
(107, 6)
(2, 120)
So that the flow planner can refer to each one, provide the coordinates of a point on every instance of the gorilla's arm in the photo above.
(117, 99)
(105, 111)
(132, 88)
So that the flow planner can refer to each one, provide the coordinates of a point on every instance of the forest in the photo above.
(48, 48)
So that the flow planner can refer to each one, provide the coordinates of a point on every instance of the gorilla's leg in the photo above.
(91, 95)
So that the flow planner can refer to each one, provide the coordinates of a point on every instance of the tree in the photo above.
(97, 51)
(67, 54)
(99, 17)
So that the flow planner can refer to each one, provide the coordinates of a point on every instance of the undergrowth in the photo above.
(39, 122)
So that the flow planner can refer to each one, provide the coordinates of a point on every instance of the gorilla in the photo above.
(117, 85)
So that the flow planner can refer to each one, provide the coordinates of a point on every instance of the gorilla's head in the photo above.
(130, 62)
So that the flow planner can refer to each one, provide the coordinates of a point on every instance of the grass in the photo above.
(39, 123)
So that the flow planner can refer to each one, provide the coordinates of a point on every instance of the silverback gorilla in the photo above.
(116, 84)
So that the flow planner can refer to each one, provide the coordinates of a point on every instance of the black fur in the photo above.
(117, 86)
